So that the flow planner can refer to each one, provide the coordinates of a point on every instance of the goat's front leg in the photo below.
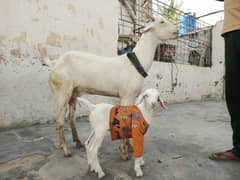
(123, 150)
(141, 161)
(137, 166)
(125, 145)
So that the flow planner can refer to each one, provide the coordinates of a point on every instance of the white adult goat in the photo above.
(99, 118)
(77, 73)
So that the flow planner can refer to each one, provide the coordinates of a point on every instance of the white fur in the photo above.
(99, 119)
(76, 73)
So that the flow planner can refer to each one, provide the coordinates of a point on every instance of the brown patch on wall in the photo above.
(2, 39)
(72, 9)
(43, 53)
(22, 38)
(2, 59)
(54, 39)
(16, 52)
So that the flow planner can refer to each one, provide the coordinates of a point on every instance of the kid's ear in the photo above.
(141, 98)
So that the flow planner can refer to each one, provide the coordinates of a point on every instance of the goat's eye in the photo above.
(158, 99)
(161, 22)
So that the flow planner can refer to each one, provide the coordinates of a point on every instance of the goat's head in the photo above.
(151, 98)
(161, 28)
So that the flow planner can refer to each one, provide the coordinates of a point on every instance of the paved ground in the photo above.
(176, 148)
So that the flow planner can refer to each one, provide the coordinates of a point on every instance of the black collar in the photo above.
(134, 60)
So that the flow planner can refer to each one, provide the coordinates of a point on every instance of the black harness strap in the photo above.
(134, 60)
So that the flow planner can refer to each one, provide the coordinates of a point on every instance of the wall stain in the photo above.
(72, 9)
(92, 32)
(22, 38)
(54, 39)
(159, 77)
(216, 83)
(2, 39)
(45, 7)
(100, 23)
(16, 52)
(35, 19)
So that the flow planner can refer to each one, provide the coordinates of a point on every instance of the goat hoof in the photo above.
(101, 175)
(91, 169)
(124, 157)
(67, 154)
(139, 174)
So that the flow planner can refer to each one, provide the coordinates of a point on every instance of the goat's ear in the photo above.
(162, 103)
(148, 27)
(147, 16)
(140, 98)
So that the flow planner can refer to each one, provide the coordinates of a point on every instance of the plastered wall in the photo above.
(58, 26)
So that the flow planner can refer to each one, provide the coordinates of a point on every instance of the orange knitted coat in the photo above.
(128, 122)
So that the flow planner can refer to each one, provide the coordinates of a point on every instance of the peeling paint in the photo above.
(22, 38)
(16, 52)
(72, 9)
(54, 39)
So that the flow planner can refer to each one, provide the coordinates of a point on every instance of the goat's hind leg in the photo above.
(63, 95)
(97, 142)
(71, 118)
(60, 128)
(87, 145)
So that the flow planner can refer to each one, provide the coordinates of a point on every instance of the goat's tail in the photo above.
(44, 57)
(87, 103)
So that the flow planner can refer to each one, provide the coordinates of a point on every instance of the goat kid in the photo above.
(76, 73)
(99, 119)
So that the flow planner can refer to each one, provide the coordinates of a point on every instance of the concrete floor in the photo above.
(176, 148)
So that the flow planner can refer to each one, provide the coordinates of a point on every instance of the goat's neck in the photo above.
(146, 112)
(145, 49)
